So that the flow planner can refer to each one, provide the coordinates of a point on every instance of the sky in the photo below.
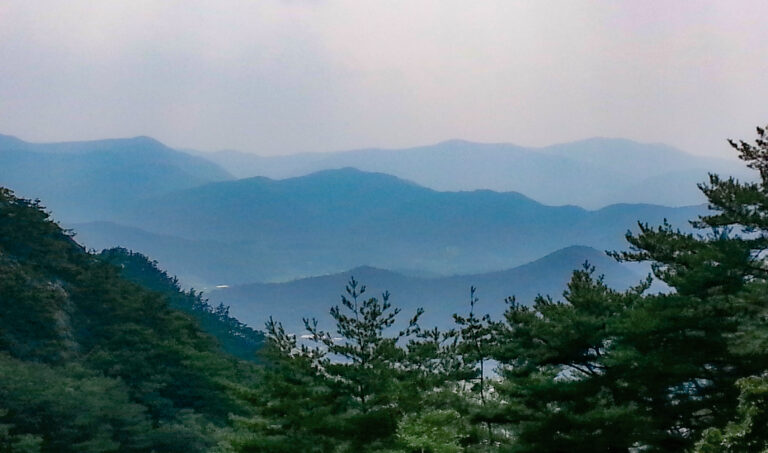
(280, 77)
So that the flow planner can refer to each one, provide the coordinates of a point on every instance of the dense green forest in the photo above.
(104, 352)
(90, 361)
(235, 337)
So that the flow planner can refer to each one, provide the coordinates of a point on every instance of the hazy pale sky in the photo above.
(277, 77)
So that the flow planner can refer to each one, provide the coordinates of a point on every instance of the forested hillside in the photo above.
(90, 361)
(235, 337)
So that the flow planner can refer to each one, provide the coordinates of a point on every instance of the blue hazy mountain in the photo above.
(590, 173)
(197, 263)
(441, 297)
(210, 229)
(81, 181)
(259, 229)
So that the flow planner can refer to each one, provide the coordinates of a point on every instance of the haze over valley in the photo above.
(257, 227)
(590, 173)
(210, 228)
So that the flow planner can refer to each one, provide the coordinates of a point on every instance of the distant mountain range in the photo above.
(339, 219)
(590, 173)
(440, 297)
(207, 227)
(87, 181)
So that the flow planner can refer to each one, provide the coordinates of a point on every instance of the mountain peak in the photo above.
(86, 146)
(354, 176)
(572, 253)
(144, 140)
(7, 141)
(577, 250)
(455, 142)
(365, 272)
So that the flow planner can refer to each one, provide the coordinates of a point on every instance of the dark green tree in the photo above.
(361, 360)
(294, 405)
(612, 371)
(711, 326)
(345, 390)
(748, 433)
(475, 349)
(560, 382)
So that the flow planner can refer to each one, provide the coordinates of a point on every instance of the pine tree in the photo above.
(475, 349)
(611, 371)
(346, 392)
(562, 390)
(295, 408)
(749, 431)
(708, 333)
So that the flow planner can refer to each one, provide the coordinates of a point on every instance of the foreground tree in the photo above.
(434, 431)
(350, 389)
(563, 389)
(719, 282)
(294, 405)
(749, 431)
(610, 371)
(475, 347)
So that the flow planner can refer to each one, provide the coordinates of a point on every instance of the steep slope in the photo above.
(441, 297)
(83, 181)
(196, 263)
(590, 173)
(233, 336)
(90, 362)
(340, 219)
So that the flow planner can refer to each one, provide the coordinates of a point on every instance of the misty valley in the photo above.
(154, 301)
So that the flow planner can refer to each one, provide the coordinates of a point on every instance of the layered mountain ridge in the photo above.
(212, 229)
(278, 230)
(440, 296)
(591, 173)
(87, 181)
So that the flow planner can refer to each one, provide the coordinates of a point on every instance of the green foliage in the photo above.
(92, 362)
(723, 278)
(351, 388)
(234, 337)
(295, 404)
(475, 347)
(564, 389)
(80, 410)
(17, 443)
(435, 431)
(749, 432)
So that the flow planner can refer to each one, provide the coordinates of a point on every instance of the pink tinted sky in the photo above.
(276, 77)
